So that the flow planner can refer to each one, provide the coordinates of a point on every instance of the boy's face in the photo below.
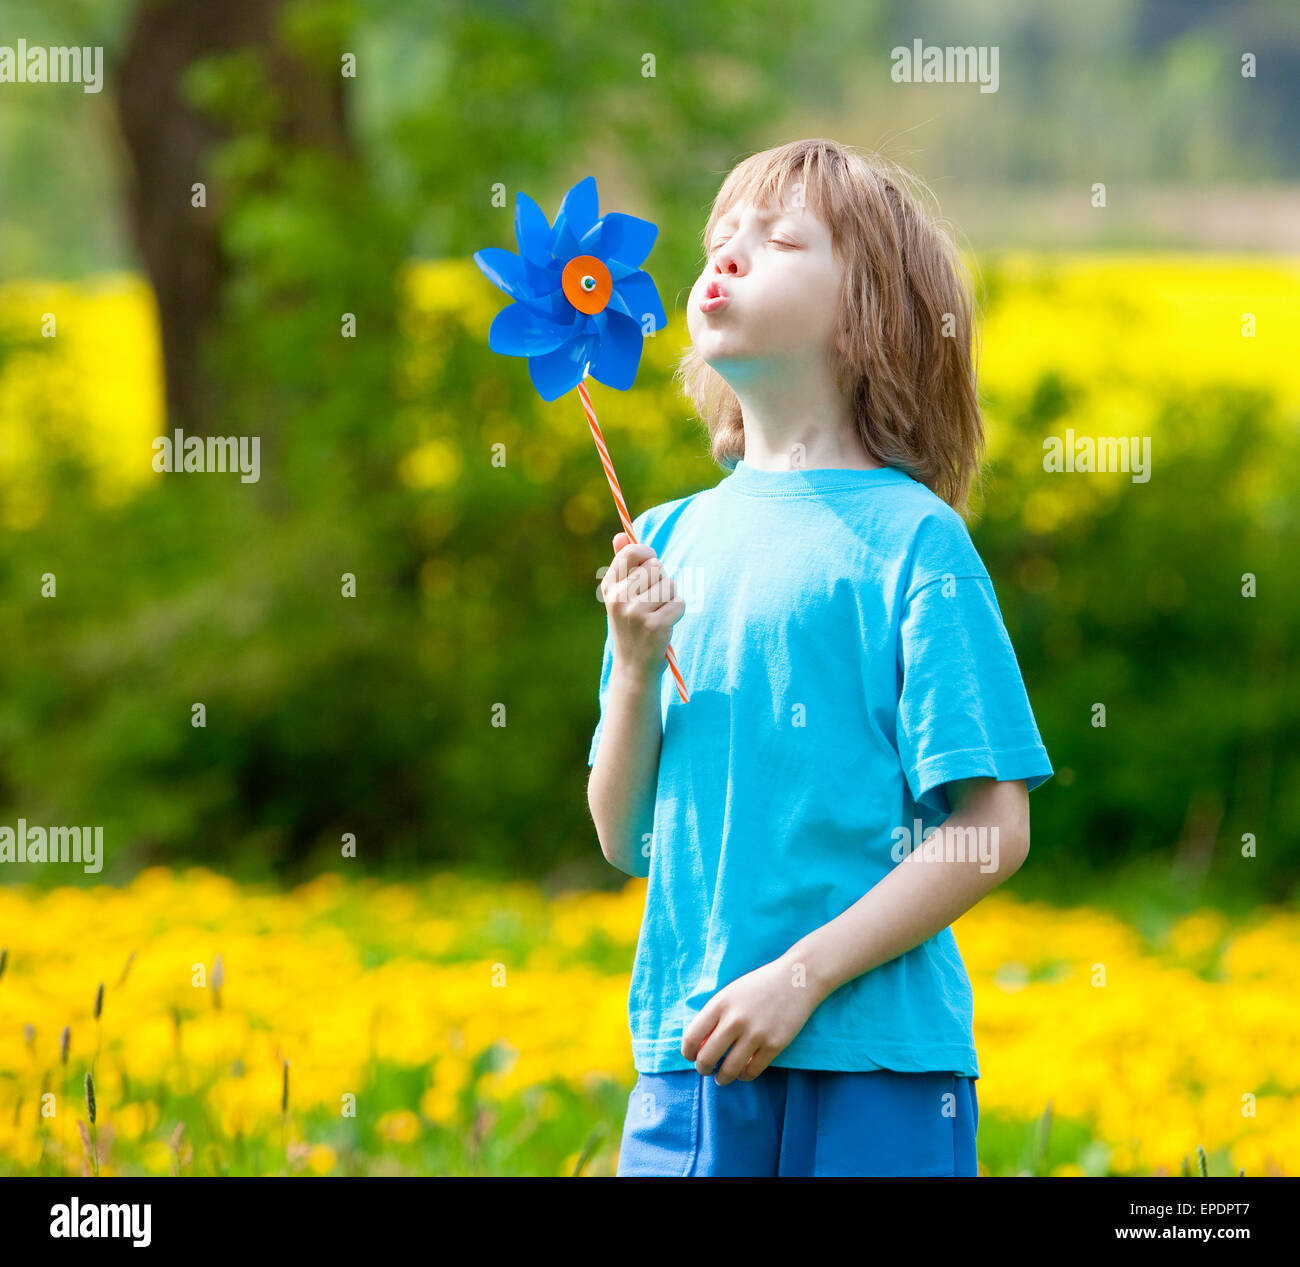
(779, 273)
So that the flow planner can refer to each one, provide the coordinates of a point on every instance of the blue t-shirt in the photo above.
(845, 657)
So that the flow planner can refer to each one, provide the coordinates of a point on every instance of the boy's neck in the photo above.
(792, 422)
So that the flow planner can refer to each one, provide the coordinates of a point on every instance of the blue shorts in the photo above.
(801, 1122)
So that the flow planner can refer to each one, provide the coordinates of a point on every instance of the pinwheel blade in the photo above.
(562, 370)
(554, 308)
(638, 297)
(620, 351)
(578, 213)
(626, 239)
(517, 331)
(544, 279)
(532, 231)
(504, 269)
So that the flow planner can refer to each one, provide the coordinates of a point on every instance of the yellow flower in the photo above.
(435, 464)
(156, 1157)
(400, 1126)
(321, 1159)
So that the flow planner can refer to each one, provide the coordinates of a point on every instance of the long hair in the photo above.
(902, 352)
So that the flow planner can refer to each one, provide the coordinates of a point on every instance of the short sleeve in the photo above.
(963, 711)
(605, 669)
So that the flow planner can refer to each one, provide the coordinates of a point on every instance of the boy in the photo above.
(852, 688)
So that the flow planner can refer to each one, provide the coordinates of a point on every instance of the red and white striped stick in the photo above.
(621, 506)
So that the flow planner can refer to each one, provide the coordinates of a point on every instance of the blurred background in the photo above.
(180, 249)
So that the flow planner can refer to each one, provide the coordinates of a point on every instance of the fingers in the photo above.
(644, 583)
(636, 572)
(666, 614)
(629, 556)
(746, 1052)
(717, 1043)
(697, 1034)
(636, 575)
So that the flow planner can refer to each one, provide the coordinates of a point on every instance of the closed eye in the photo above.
(794, 246)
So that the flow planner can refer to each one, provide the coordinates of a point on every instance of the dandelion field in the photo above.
(455, 1026)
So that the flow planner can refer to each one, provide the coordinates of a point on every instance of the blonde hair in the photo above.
(902, 350)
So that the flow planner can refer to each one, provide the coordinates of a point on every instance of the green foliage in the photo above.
(373, 714)
(1138, 603)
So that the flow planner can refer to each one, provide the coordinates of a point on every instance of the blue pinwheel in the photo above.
(582, 301)
(582, 305)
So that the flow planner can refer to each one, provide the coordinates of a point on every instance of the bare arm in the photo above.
(625, 774)
(927, 890)
(754, 1018)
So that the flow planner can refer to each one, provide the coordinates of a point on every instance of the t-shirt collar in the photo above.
(755, 481)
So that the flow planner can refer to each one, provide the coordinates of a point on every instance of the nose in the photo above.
(728, 260)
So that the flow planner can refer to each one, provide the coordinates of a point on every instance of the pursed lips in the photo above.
(715, 297)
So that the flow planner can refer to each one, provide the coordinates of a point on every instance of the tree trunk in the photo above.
(170, 146)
